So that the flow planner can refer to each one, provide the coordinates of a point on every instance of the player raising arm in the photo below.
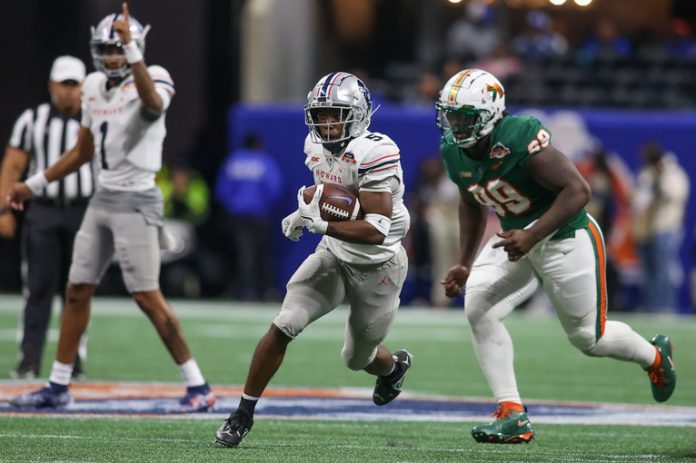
(124, 106)
(507, 163)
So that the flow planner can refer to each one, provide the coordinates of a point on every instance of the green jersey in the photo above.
(500, 179)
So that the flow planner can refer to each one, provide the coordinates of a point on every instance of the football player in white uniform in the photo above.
(361, 261)
(124, 105)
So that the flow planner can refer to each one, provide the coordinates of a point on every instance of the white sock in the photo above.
(622, 343)
(61, 373)
(191, 373)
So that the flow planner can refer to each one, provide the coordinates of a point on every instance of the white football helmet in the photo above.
(104, 34)
(470, 105)
(348, 96)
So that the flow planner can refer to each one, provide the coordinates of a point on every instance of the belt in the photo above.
(62, 202)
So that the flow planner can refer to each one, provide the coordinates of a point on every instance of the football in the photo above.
(337, 202)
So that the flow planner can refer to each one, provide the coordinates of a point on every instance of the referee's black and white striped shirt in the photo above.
(45, 134)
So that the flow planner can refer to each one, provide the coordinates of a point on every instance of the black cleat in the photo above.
(387, 388)
(234, 429)
(46, 397)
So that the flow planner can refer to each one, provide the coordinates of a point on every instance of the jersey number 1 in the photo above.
(103, 128)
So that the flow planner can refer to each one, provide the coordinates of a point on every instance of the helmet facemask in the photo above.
(470, 105)
(465, 124)
(323, 121)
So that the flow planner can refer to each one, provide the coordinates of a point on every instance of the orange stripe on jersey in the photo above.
(601, 278)
(384, 168)
(458, 84)
(378, 160)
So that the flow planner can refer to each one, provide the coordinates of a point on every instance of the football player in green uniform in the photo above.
(507, 163)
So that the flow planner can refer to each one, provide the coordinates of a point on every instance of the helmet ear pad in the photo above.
(354, 130)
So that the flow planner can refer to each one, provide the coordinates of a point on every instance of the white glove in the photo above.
(310, 212)
(292, 226)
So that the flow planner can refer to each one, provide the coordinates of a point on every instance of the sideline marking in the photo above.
(153, 400)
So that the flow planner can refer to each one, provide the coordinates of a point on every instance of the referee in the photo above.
(39, 137)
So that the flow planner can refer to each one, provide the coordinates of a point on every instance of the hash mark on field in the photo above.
(91, 438)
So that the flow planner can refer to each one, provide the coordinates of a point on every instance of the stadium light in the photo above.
(455, 1)
(557, 2)
(582, 2)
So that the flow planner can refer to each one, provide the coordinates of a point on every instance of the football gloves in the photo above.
(311, 212)
(292, 226)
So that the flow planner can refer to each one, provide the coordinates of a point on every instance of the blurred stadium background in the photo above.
(604, 76)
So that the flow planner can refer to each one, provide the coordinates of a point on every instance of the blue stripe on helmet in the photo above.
(111, 32)
(325, 87)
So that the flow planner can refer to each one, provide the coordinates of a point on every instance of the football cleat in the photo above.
(388, 389)
(197, 399)
(510, 427)
(663, 376)
(45, 397)
(234, 429)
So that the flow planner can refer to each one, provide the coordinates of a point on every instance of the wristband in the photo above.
(36, 183)
(133, 53)
(380, 222)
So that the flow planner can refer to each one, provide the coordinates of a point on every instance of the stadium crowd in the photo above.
(541, 61)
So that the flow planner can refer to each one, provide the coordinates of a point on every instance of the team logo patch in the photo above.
(465, 174)
(496, 89)
(348, 157)
(314, 159)
(499, 151)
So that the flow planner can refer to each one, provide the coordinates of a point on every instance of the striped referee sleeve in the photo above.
(46, 134)
(21, 132)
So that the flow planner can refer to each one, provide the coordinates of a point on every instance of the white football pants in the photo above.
(572, 273)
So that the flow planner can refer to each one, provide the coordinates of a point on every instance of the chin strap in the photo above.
(337, 146)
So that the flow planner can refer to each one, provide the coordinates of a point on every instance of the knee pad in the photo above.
(585, 340)
(355, 361)
(475, 302)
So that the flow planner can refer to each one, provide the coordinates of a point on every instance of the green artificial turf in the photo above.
(124, 347)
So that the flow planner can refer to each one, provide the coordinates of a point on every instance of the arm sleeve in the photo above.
(382, 163)
(21, 132)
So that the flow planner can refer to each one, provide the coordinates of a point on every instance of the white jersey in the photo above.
(370, 162)
(128, 146)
